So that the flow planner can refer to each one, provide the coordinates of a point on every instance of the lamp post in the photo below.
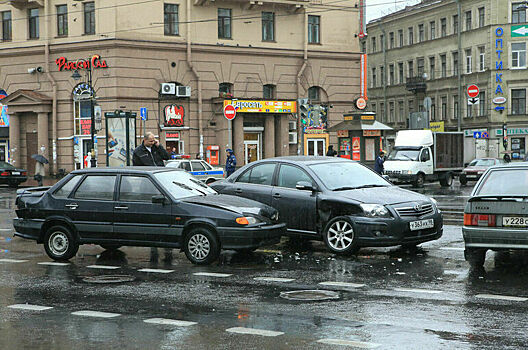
(76, 76)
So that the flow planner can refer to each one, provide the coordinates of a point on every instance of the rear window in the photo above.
(507, 182)
(482, 162)
(66, 189)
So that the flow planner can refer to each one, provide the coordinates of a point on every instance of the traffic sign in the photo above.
(473, 101)
(519, 31)
(472, 91)
(361, 103)
(229, 112)
(144, 113)
(477, 134)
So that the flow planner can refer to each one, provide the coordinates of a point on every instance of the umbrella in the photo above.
(40, 158)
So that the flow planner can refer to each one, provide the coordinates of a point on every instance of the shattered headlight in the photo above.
(375, 210)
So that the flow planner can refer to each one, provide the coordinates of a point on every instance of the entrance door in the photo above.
(252, 150)
(86, 153)
(316, 147)
(3, 152)
(32, 148)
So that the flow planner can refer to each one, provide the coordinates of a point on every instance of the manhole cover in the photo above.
(310, 295)
(109, 279)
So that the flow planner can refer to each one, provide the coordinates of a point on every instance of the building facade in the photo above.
(438, 49)
(181, 60)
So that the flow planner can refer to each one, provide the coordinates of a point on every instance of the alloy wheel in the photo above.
(199, 246)
(340, 235)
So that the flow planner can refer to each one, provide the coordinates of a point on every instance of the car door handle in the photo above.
(121, 208)
(277, 195)
(72, 206)
(238, 191)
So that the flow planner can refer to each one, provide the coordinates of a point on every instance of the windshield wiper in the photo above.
(182, 185)
(344, 188)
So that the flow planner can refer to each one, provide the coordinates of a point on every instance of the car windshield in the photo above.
(182, 185)
(482, 162)
(5, 165)
(347, 176)
(404, 154)
(503, 183)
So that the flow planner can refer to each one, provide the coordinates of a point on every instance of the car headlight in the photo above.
(374, 210)
(409, 172)
(247, 220)
(434, 202)
(275, 217)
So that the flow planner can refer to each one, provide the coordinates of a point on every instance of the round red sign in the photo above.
(230, 112)
(361, 103)
(473, 91)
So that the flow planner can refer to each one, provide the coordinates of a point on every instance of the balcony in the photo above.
(415, 84)
(251, 4)
(22, 4)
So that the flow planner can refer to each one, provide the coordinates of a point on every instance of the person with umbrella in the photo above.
(39, 167)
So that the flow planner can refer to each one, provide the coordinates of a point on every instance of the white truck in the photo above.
(422, 155)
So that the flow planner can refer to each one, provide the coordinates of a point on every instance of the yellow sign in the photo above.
(367, 117)
(342, 133)
(349, 117)
(256, 106)
(436, 126)
(371, 133)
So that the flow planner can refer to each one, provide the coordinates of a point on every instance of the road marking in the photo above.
(400, 273)
(254, 331)
(89, 313)
(453, 272)
(500, 297)
(167, 321)
(103, 267)
(273, 279)
(12, 261)
(156, 270)
(357, 344)
(413, 290)
(6, 229)
(212, 274)
(453, 248)
(342, 284)
(30, 307)
(51, 263)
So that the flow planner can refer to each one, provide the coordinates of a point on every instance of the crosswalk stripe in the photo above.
(415, 290)
(30, 307)
(273, 279)
(342, 284)
(89, 313)
(51, 263)
(500, 297)
(357, 344)
(254, 331)
(156, 270)
(212, 274)
(167, 321)
(12, 260)
(453, 248)
(103, 267)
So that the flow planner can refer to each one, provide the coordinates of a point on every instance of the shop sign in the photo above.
(499, 32)
(172, 135)
(86, 126)
(360, 103)
(174, 115)
(513, 131)
(356, 148)
(499, 100)
(4, 117)
(256, 106)
(436, 126)
(315, 131)
(371, 133)
(367, 117)
(342, 133)
(94, 62)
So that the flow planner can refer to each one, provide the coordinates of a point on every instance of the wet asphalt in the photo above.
(389, 298)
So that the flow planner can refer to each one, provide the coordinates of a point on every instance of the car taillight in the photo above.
(24, 173)
(4, 173)
(479, 220)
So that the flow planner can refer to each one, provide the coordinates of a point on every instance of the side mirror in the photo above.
(386, 177)
(159, 199)
(304, 185)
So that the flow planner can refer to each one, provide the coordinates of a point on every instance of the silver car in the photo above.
(496, 215)
(199, 168)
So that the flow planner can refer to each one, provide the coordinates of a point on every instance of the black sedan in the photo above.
(139, 206)
(337, 200)
(10, 175)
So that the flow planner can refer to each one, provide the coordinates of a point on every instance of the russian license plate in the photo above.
(15, 173)
(421, 224)
(517, 221)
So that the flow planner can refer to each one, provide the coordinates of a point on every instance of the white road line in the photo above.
(103, 267)
(156, 270)
(254, 331)
(500, 297)
(342, 284)
(212, 274)
(30, 307)
(51, 263)
(357, 344)
(413, 290)
(6, 229)
(167, 321)
(452, 248)
(12, 261)
(89, 313)
(273, 279)
(453, 272)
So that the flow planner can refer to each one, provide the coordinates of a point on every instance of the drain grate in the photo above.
(109, 279)
(310, 295)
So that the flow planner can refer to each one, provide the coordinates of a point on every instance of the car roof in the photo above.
(128, 169)
(307, 160)
(522, 165)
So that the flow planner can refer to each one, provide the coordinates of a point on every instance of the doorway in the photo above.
(3, 152)
(86, 154)
(316, 147)
(252, 148)
(32, 148)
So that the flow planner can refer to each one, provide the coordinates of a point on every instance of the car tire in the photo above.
(446, 180)
(110, 246)
(340, 237)
(463, 180)
(60, 243)
(475, 256)
(419, 181)
(201, 246)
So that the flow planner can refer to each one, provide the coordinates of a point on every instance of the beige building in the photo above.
(438, 49)
(254, 53)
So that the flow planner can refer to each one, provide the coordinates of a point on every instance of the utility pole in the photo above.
(459, 70)
(93, 161)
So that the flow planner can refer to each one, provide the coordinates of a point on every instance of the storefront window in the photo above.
(518, 147)
(82, 111)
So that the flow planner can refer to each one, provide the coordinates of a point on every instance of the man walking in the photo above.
(378, 166)
(230, 162)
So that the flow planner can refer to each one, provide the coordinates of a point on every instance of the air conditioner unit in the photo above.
(183, 91)
(168, 88)
(292, 125)
(292, 138)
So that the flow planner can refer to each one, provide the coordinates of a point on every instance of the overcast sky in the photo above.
(379, 8)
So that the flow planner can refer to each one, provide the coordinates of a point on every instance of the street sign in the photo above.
(477, 134)
(473, 101)
(472, 91)
(229, 112)
(143, 111)
(484, 135)
(519, 31)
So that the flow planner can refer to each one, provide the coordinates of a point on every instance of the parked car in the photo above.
(11, 176)
(477, 167)
(496, 214)
(337, 200)
(141, 206)
(199, 168)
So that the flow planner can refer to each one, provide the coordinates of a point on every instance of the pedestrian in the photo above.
(150, 153)
(378, 166)
(507, 158)
(173, 153)
(331, 151)
(230, 162)
(39, 173)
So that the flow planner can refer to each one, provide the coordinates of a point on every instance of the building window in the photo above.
(469, 112)
(373, 107)
(469, 61)
(225, 88)
(410, 106)
(89, 17)
(420, 63)
(410, 65)
(391, 74)
(401, 112)
(518, 55)
(482, 17)
(269, 92)
(482, 58)
(518, 101)
(382, 42)
(443, 27)
(33, 19)
(443, 63)
(364, 47)
(455, 24)
(314, 94)
(391, 40)
(170, 16)
(482, 104)
(314, 29)
(373, 44)
(62, 20)
(400, 38)
(391, 112)
(224, 23)
(268, 26)
(7, 33)
(82, 113)
(382, 112)
(432, 67)
(433, 109)
(455, 107)
(421, 33)
(411, 35)
(374, 78)
(444, 108)
(382, 76)
(468, 20)
(400, 73)
(455, 63)
(518, 12)
(432, 30)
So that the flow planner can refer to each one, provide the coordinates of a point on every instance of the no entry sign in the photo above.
(472, 91)
(229, 112)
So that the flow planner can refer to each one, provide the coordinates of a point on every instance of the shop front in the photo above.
(517, 137)
(4, 130)
(173, 128)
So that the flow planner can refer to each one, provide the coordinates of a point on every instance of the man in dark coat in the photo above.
(378, 166)
(230, 162)
(331, 151)
(149, 153)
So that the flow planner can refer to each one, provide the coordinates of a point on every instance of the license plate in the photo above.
(517, 221)
(15, 173)
(421, 224)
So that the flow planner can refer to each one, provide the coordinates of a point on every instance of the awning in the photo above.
(357, 125)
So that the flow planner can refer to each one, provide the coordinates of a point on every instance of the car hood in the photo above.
(232, 203)
(382, 195)
(476, 168)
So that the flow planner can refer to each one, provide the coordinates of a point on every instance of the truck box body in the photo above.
(448, 150)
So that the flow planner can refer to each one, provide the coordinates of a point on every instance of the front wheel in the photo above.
(60, 243)
(447, 180)
(419, 181)
(463, 179)
(201, 246)
(339, 236)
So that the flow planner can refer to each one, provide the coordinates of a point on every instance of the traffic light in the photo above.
(304, 110)
(505, 142)
(323, 113)
(505, 136)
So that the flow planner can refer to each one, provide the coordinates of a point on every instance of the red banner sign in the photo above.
(172, 135)
(94, 62)
(174, 115)
(86, 126)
